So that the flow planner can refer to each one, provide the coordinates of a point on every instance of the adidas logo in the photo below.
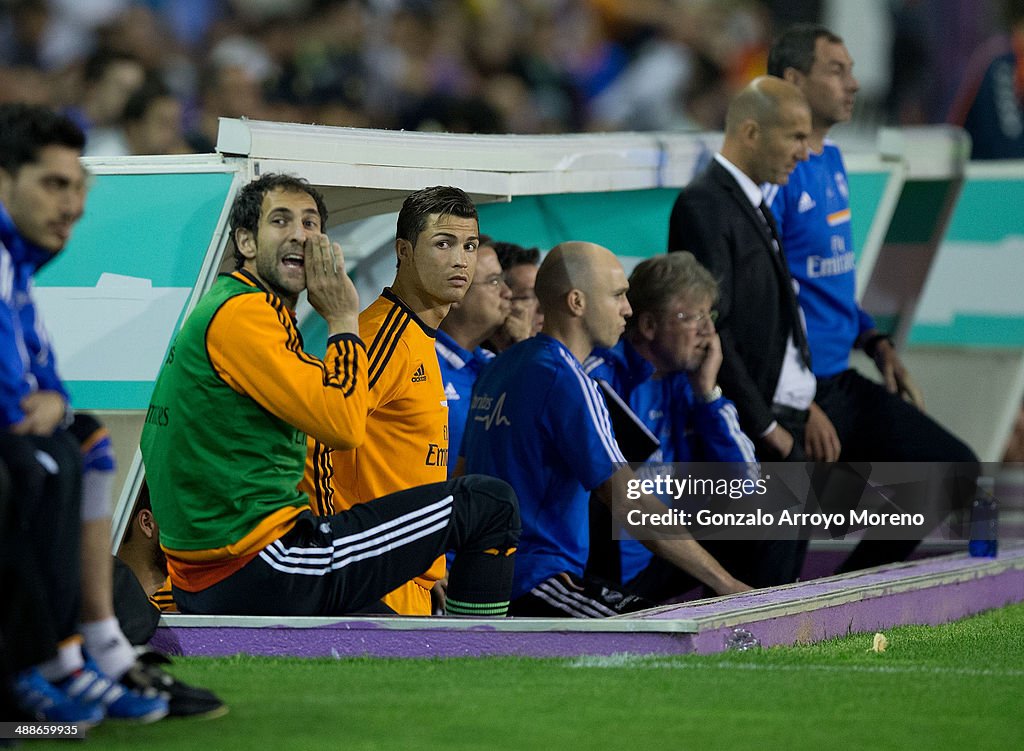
(420, 375)
(450, 392)
(806, 203)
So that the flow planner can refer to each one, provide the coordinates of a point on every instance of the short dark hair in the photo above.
(510, 254)
(26, 129)
(439, 199)
(794, 48)
(139, 101)
(248, 205)
(97, 64)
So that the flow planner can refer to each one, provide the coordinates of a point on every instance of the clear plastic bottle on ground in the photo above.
(984, 540)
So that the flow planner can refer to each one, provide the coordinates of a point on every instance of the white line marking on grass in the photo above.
(653, 662)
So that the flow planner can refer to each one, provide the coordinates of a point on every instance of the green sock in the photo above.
(480, 584)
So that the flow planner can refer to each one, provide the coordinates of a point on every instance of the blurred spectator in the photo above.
(327, 66)
(511, 48)
(932, 44)
(22, 33)
(25, 85)
(189, 20)
(70, 32)
(399, 61)
(108, 79)
(648, 93)
(150, 124)
(906, 101)
(687, 60)
(706, 97)
(230, 85)
(446, 113)
(592, 59)
(23, 24)
(152, 121)
(990, 103)
(139, 32)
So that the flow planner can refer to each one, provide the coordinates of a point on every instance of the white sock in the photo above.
(97, 491)
(108, 646)
(68, 660)
(98, 467)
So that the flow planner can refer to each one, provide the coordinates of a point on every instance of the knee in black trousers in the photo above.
(83, 426)
(45, 474)
(486, 515)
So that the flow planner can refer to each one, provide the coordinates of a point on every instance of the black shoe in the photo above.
(184, 700)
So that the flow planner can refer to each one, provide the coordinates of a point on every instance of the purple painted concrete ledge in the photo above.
(931, 591)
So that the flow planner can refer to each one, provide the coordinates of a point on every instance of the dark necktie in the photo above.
(799, 335)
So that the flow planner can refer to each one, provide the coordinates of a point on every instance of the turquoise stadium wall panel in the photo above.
(116, 295)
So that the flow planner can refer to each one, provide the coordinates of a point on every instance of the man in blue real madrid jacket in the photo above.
(873, 422)
(61, 465)
(469, 323)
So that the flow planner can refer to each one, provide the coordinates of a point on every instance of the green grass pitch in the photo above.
(958, 686)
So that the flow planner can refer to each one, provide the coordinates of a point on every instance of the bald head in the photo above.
(766, 129)
(762, 101)
(582, 288)
(568, 266)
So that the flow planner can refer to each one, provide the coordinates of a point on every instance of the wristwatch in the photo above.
(712, 396)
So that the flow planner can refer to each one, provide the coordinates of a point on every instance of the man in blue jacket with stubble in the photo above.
(76, 665)
(872, 422)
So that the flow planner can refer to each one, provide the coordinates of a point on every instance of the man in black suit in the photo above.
(722, 219)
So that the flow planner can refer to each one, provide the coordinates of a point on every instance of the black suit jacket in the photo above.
(713, 219)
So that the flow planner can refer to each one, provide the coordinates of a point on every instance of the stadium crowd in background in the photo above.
(486, 66)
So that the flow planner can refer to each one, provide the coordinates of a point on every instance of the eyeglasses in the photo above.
(696, 320)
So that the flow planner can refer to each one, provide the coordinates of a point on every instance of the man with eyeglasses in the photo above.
(525, 317)
(467, 326)
(665, 367)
